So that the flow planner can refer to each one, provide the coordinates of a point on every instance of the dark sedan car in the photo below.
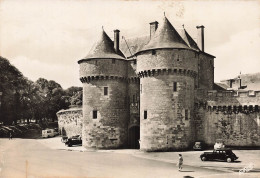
(219, 154)
(74, 140)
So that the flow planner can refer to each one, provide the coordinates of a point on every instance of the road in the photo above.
(30, 158)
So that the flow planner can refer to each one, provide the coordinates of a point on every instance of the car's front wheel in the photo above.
(203, 158)
(68, 144)
(229, 160)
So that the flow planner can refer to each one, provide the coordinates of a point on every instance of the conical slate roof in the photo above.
(188, 39)
(104, 48)
(165, 37)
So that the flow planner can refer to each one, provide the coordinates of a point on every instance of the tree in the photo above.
(74, 95)
(24, 99)
(11, 86)
(52, 96)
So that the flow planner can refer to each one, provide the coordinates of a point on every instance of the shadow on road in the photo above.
(187, 171)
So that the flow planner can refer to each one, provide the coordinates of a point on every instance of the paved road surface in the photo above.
(30, 158)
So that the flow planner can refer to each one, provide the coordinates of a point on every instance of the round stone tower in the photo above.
(103, 73)
(167, 67)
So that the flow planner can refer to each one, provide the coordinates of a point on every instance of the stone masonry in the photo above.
(159, 91)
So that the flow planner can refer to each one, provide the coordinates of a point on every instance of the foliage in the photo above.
(74, 95)
(25, 99)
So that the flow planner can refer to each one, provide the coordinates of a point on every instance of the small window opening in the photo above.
(96, 62)
(135, 61)
(105, 90)
(178, 58)
(95, 114)
(145, 114)
(153, 52)
(174, 86)
(113, 61)
(186, 114)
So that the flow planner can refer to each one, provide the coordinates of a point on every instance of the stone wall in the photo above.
(133, 94)
(229, 115)
(206, 72)
(103, 67)
(109, 129)
(70, 121)
(236, 129)
(169, 114)
(134, 103)
(228, 98)
(168, 125)
(168, 59)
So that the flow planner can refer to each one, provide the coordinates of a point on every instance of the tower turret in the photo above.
(167, 67)
(103, 73)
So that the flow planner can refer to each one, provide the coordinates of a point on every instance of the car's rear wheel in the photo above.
(203, 158)
(229, 160)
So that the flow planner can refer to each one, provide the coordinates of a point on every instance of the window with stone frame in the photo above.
(95, 114)
(105, 90)
(145, 114)
(175, 86)
(186, 114)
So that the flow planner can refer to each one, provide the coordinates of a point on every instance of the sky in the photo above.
(46, 38)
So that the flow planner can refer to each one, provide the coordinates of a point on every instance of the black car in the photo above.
(225, 154)
(74, 140)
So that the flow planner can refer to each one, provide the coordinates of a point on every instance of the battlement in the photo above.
(227, 94)
(228, 101)
(238, 93)
(87, 79)
(177, 71)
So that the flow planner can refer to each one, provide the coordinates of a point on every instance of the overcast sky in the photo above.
(46, 38)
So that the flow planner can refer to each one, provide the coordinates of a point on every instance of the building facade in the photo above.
(157, 93)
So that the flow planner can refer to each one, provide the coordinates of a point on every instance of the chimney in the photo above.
(116, 40)
(153, 28)
(201, 39)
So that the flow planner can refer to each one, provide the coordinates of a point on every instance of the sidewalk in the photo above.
(191, 158)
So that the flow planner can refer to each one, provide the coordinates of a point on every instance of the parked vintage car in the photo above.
(225, 154)
(198, 146)
(47, 133)
(74, 140)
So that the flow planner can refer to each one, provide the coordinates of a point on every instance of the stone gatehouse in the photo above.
(159, 89)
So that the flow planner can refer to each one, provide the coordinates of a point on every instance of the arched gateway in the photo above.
(134, 136)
